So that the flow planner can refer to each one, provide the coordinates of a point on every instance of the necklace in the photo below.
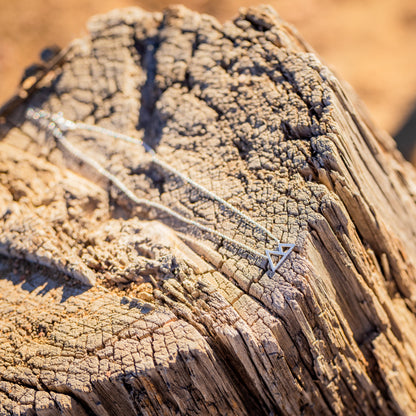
(58, 125)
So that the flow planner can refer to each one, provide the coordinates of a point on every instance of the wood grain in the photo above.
(177, 323)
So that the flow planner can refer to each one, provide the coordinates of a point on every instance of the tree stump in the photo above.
(170, 321)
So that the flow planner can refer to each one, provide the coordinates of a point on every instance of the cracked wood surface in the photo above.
(175, 322)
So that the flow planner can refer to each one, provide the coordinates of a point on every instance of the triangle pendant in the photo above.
(279, 252)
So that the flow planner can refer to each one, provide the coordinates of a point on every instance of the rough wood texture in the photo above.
(177, 323)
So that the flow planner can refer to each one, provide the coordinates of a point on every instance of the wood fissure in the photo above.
(176, 323)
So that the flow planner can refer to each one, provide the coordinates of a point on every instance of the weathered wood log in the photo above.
(178, 321)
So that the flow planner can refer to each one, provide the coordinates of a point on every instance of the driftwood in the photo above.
(177, 322)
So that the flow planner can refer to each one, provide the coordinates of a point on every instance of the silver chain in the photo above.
(57, 124)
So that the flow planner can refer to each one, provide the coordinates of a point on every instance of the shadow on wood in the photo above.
(175, 322)
(406, 137)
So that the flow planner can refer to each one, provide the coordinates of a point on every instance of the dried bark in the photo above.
(177, 323)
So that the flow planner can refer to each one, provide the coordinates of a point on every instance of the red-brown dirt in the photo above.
(370, 43)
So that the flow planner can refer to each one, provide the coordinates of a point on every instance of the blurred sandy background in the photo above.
(371, 43)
